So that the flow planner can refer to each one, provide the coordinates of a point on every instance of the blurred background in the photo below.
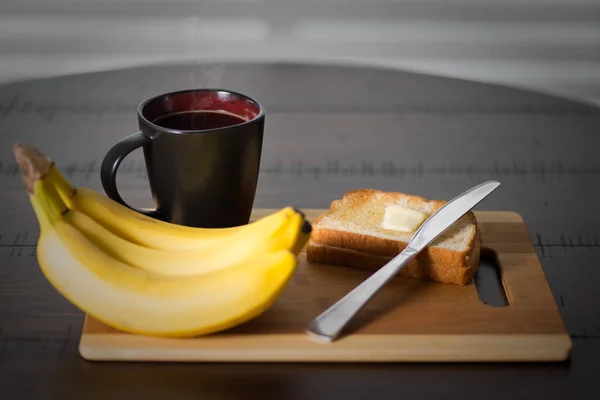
(548, 45)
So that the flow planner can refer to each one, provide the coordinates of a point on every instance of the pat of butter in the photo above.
(399, 218)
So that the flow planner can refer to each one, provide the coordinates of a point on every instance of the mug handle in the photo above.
(110, 165)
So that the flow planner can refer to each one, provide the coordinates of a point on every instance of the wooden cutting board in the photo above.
(408, 320)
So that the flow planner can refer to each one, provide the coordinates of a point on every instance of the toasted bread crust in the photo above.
(390, 247)
(416, 269)
(356, 250)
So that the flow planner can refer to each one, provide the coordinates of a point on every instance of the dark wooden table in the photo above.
(328, 130)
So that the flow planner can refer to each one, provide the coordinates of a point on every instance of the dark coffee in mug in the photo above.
(202, 149)
(198, 120)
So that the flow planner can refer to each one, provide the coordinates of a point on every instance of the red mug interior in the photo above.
(199, 110)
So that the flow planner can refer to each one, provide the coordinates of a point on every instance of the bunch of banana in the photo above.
(150, 232)
(145, 276)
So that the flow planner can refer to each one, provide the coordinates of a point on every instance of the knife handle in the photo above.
(329, 324)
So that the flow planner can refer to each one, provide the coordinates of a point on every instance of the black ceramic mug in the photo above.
(202, 150)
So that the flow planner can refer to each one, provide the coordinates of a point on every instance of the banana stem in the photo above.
(52, 200)
(64, 188)
(33, 165)
(47, 204)
(34, 168)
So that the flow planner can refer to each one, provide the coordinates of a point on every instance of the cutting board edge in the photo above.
(360, 348)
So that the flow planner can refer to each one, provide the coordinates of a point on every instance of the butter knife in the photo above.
(327, 326)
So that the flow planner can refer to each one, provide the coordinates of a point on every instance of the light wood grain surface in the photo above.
(409, 320)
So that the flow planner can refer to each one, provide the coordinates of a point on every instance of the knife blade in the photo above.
(328, 325)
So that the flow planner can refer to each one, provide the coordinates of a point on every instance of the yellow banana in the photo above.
(137, 301)
(280, 236)
(150, 232)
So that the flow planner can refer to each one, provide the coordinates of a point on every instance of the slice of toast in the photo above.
(350, 234)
